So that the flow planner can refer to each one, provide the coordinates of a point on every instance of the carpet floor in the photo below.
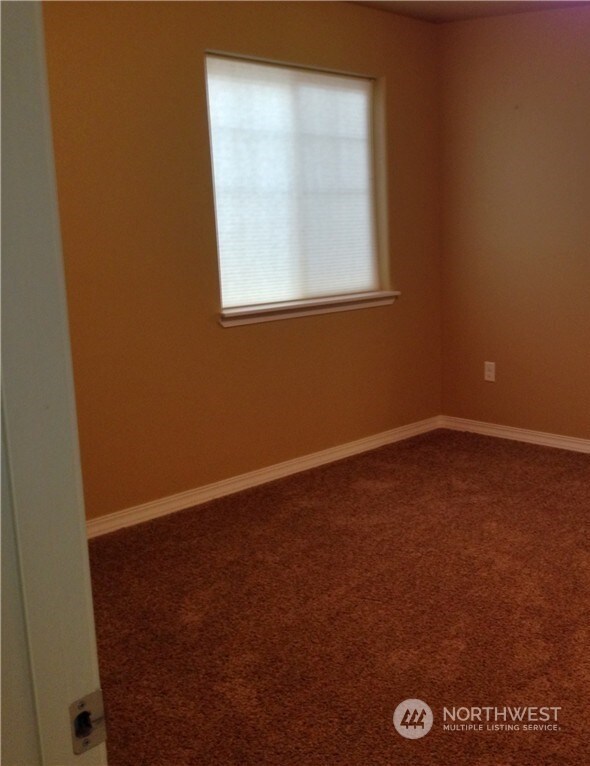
(283, 625)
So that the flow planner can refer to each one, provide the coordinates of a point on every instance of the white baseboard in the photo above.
(571, 443)
(179, 502)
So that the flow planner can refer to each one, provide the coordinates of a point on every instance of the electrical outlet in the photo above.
(489, 371)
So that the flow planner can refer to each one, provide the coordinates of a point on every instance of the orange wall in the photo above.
(167, 399)
(516, 214)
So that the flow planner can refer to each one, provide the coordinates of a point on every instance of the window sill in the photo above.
(271, 312)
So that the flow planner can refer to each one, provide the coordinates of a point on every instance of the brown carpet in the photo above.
(283, 625)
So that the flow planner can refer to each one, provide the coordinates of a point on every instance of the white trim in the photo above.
(541, 438)
(179, 502)
(183, 500)
(44, 482)
(270, 312)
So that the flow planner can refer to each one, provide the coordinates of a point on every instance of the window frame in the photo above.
(384, 295)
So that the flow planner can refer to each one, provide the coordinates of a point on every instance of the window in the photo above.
(293, 172)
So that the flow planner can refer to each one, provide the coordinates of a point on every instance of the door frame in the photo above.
(38, 406)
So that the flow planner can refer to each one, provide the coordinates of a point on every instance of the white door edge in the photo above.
(38, 404)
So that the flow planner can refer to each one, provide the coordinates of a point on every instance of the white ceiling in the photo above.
(456, 10)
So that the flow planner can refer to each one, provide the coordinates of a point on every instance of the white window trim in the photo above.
(271, 312)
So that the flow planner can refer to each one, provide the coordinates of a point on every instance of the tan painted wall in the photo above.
(516, 213)
(167, 399)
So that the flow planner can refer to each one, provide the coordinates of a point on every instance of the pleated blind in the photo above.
(293, 178)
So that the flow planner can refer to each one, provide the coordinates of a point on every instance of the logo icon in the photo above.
(413, 719)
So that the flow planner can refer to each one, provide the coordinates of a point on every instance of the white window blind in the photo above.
(293, 178)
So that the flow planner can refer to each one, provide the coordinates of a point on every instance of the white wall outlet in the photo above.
(489, 371)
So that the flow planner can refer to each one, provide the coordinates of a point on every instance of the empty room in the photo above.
(297, 383)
